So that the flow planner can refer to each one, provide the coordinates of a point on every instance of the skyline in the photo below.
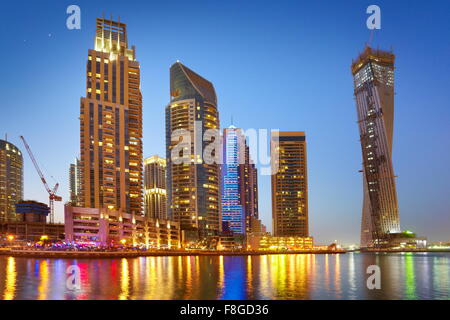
(321, 182)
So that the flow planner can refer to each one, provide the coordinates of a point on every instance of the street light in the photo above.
(10, 237)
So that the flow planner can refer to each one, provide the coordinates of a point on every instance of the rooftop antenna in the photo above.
(232, 120)
(6, 137)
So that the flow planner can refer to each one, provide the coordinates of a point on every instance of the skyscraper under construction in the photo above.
(111, 123)
(373, 74)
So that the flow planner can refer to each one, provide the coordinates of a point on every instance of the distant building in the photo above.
(256, 225)
(110, 227)
(32, 211)
(268, 242)
(289, 184)
(192, 183)
(11, 180)
(373, 75)
(75, 177)
(111, 124)
(263, 228)
(249, 189)
(155, 191)
(406, 239)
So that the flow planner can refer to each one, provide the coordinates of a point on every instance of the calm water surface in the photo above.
(403, 276)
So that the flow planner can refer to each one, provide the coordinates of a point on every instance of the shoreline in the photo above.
(135, 254)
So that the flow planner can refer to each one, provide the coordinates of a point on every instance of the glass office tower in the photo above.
(239, 183)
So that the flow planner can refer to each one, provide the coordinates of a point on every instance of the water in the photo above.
(403, 276)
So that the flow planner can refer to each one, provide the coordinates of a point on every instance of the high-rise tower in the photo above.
(192, 182)
(239, 183)
(11, 180)
(111, 123)
(373, 74)
(155, 187)
(289, 184)
(75, 175)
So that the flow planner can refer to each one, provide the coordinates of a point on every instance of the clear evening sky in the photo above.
(275, 64)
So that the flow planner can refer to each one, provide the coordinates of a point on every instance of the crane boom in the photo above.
(51, 193)
(41, 175)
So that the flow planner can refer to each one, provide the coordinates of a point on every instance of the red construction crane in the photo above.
(51, 192)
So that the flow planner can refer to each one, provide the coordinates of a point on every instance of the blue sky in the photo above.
(275, 64)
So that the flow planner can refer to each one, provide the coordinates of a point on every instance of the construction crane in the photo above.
(51, 192)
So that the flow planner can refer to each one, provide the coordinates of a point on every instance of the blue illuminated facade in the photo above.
(233, 214)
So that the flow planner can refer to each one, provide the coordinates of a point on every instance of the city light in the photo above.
(296, 198)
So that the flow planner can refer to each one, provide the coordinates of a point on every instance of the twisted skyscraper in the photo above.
(373, 74)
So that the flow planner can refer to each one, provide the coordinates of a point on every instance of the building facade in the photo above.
(373, 74)
(32, 211)
(249, 189)
(11, 180)
(289, 184)
(75, 176)
(155, 190)
(233, 215)
(23, 231)
(111, 124)
(268, 242)
(192, 183)
(110, 227)
(239, 191)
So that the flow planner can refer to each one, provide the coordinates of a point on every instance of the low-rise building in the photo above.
(231, 241)
(32, 211)
(110, 227)
(32, 231)
(406, 239)
(31, 225)
(268, 242)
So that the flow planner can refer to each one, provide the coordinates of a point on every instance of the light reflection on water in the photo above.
(403, 276)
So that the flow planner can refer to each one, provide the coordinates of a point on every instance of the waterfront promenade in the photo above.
(96, 254)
